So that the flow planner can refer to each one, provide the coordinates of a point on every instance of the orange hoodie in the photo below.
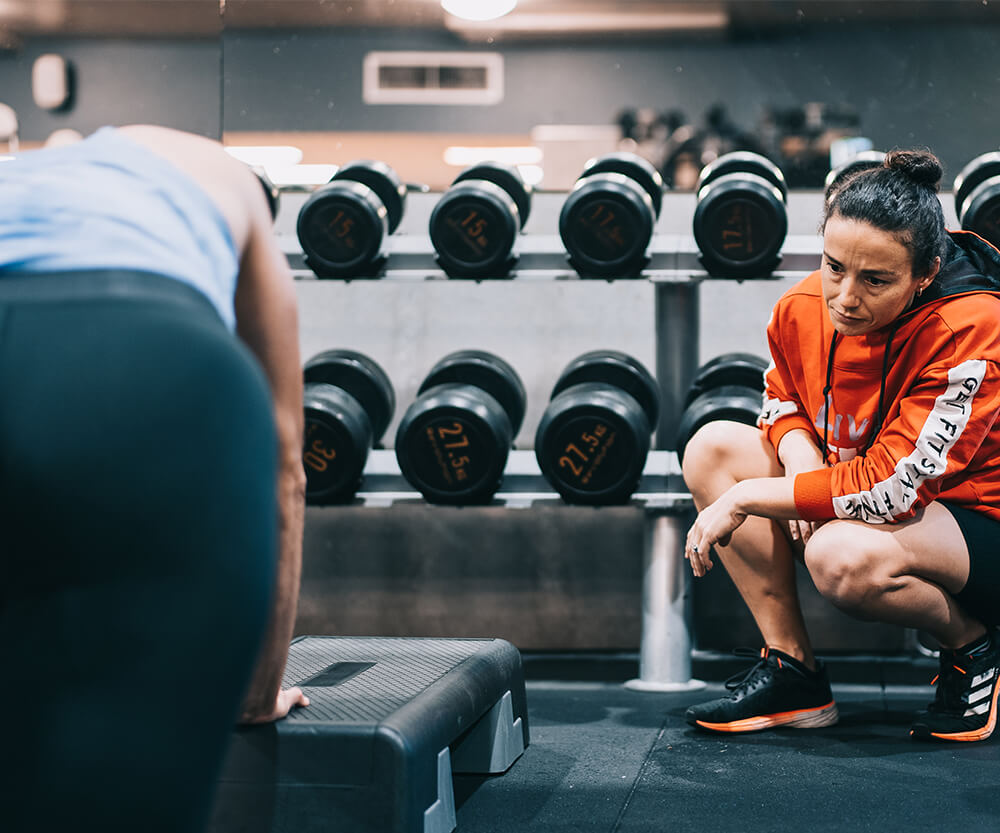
(939, 435)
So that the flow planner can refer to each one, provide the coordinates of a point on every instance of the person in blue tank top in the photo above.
(151, 485)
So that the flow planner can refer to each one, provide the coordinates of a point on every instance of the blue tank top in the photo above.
(109, 203)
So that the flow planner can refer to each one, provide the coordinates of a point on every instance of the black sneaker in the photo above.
(778, 691)
(965, 703)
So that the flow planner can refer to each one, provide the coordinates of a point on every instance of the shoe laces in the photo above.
(760, 671)
(951, 682)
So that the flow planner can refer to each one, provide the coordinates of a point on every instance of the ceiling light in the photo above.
(478, 9)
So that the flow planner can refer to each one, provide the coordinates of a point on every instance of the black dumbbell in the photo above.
(740, 220)
(594, 436)
(453, 441)
(348, 401)
(343, 225)
(727, 387)
(607, 221)
(864, 160)
(475, 223)
(977, 196)
(271, 191)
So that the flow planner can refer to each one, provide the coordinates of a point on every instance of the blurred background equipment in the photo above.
(607, 221)
(474, 225)
(803, 139)
(691, 149)
(8, 127)
(977, 196)
(863, 161)
(740, 220)
(343, 225)
(727, 387)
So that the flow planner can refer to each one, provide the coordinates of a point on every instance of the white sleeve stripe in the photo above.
(773, 409)
(929, 458)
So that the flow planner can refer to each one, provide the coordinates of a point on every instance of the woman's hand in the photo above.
(714, 524)
(286, 700)
(766, 497)
(801, 531)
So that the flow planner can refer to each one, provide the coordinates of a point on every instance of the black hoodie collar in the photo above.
(968, 264)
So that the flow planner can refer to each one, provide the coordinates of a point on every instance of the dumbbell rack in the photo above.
(676, 273)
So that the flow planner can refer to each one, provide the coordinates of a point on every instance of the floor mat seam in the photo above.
(635, 783)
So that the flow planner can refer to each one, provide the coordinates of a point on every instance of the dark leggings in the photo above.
(981, 595)
(138, 531)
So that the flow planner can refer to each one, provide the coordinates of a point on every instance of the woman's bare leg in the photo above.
(902, 574)
(760, 558)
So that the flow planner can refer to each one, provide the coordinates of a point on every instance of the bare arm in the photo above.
(797, 452)
(267, 321)
(768, 497)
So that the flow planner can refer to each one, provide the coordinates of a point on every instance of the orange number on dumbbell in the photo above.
(576, 468)
(316, 458)
(599, 210)
(477, 228)
(340, 225)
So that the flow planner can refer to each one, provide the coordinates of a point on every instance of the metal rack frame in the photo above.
(676, 272)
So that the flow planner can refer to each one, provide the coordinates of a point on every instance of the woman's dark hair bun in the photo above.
(920, 166)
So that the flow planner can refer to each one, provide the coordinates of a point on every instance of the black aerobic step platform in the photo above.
(390, 720)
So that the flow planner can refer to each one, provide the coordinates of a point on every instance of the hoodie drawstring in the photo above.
(826, 396)
(828, 388)
(879, 416)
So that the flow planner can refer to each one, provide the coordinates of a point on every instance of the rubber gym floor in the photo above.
(606, 758)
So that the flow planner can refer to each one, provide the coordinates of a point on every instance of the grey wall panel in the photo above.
(912, 85)
(173, 83)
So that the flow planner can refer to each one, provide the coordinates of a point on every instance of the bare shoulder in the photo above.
(229, 183)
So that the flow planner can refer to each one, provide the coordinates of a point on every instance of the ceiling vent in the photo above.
(433, 78)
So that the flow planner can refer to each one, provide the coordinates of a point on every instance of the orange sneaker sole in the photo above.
(813, 718)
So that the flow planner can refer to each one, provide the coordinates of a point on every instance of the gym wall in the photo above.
(912, 84)
(176, 83)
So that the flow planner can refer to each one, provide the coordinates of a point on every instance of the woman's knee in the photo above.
(715, 449)
(844, 566)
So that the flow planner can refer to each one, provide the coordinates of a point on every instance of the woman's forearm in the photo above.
(767, 497)
(265, 684)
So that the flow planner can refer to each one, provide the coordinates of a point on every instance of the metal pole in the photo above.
(665, 652)
(677, 329)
